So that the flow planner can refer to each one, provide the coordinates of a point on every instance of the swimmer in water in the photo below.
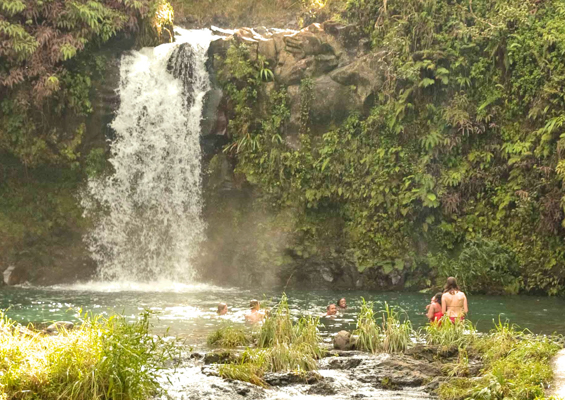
(331, 310)
(342, 304)
(255, 314)
(222, 309)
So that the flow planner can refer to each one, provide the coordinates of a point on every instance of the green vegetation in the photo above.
(273, 13)
(229, 337)
(282, 345)
(444, 333)
(516, 367)
(456, 169)
(102, 358)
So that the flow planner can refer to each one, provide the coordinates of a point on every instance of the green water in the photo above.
(189, 311)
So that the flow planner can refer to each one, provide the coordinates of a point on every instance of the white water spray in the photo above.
(147, 214)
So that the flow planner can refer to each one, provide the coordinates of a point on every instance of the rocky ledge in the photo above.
(414, 375)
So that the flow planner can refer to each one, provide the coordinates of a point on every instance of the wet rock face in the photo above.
(344, 75)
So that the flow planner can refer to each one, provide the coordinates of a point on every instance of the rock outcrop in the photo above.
(343, 74)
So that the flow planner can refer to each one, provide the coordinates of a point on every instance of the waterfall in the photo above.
(147, 212)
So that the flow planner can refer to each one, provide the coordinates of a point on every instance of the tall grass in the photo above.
(445, 333)
(102, 358)
(392, 335)
(277, 326)
(368, 331)
(517, 366)
(397, 332)
(282, 345)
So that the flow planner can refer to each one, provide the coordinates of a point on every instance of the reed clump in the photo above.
(282, 345)
(444, 333)
(389, 333)
(102, 358)
(229, 337)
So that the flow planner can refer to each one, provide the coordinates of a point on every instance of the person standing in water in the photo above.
(434, 308)
(454, 301)
(222, 309)
(342, 304)
(255, 314)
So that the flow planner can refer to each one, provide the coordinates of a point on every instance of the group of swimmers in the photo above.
(254, 315)
(333, 308)
(452, 302)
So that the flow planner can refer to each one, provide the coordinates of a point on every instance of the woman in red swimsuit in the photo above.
(434, 308)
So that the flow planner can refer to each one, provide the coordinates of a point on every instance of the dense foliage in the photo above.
(457, 169)
(50, 60)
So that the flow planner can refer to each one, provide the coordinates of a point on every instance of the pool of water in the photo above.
(190, 311)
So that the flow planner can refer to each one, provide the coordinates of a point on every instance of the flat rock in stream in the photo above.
(395, 371)
(290, 378)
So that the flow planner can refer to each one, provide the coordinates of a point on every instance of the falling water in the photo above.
(147, 213)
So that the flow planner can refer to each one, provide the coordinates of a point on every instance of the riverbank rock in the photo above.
(59, 326)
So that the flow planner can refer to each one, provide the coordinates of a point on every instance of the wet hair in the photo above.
(451, 285)
(437, 297)
(254, 303)
(343, 298)
(329, 305)
(221, 307)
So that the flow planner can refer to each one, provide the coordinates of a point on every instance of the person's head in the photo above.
(437, 298)
(341, 303)
(222, 309)
(254, 304)
(451, 285)
(331, 309)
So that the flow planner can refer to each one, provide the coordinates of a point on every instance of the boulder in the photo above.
(342, 341)
(14, 275)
